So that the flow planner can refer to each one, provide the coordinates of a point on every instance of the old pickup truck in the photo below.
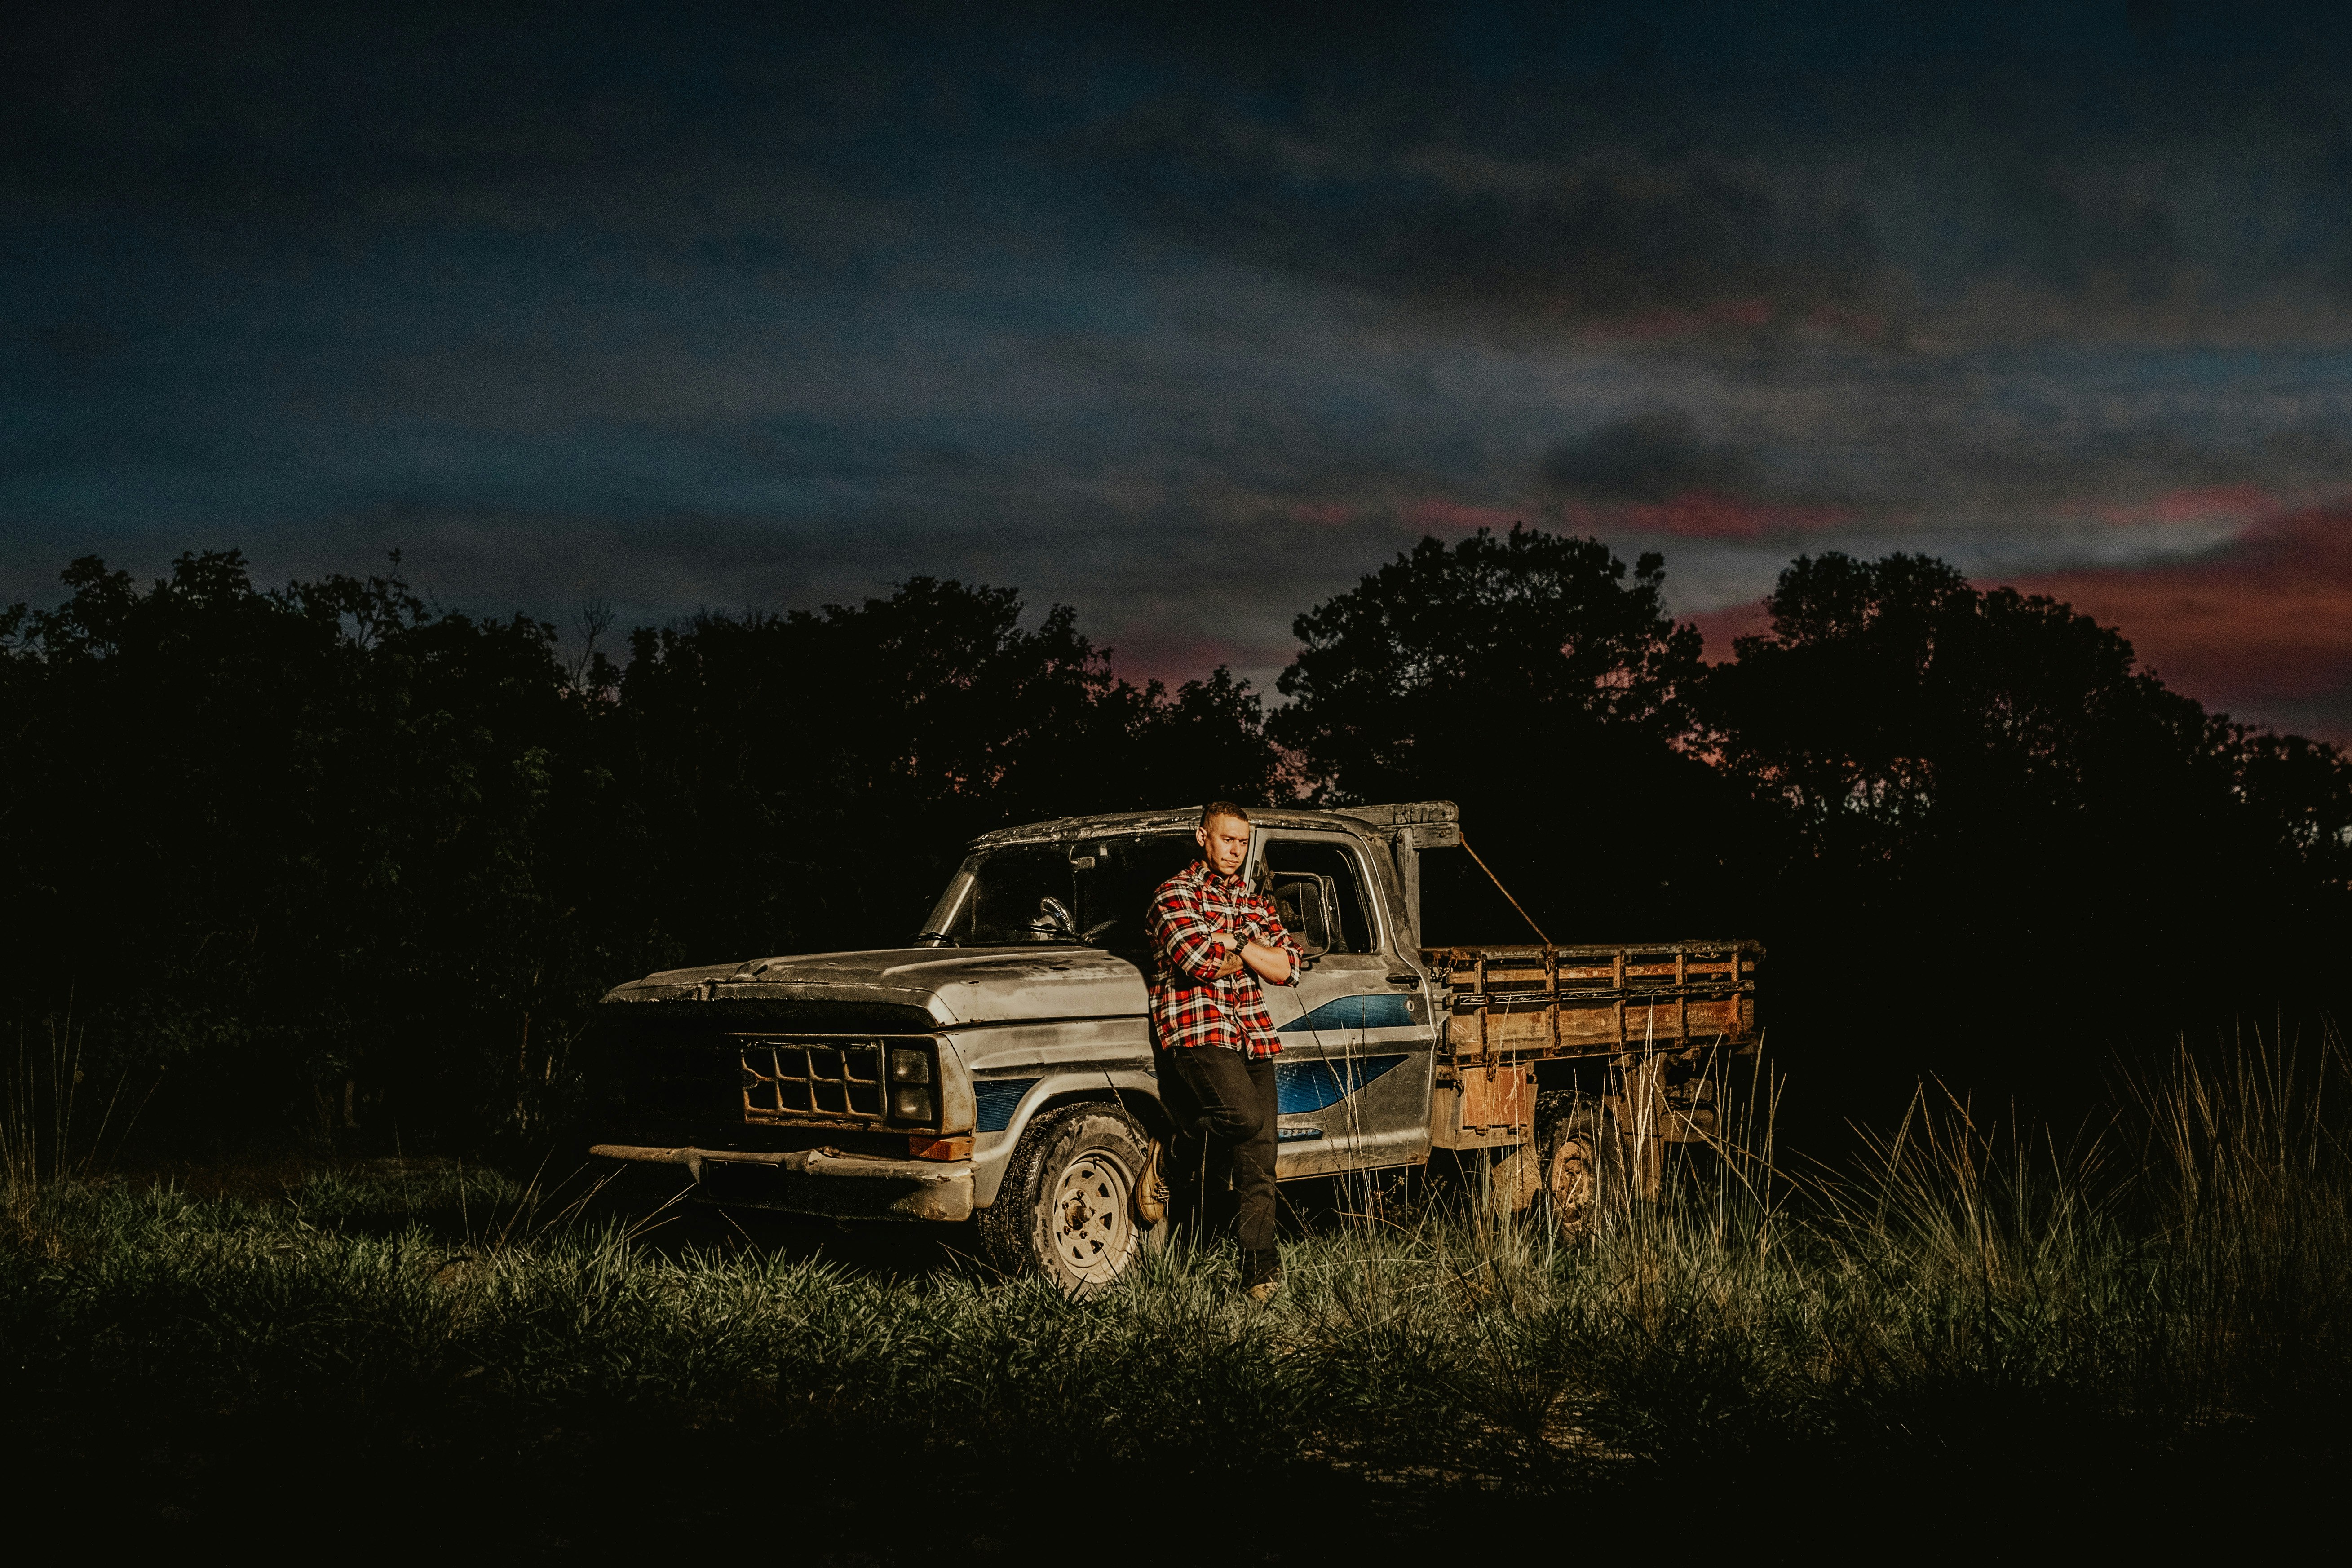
(998, 1067)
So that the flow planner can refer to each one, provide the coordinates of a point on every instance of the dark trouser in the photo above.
(1222, 1104)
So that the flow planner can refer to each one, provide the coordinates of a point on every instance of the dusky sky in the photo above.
(1189, 316)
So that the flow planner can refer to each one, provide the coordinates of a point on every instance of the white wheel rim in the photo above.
(1092, 1224)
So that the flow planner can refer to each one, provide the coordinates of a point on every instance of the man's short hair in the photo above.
(1217, 809)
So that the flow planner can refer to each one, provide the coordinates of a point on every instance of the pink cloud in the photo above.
(1330, 514)
(1710, 514)
(2242, 502)
(2266, 627)
(2263, 631)
(1720, 627)
(1173, 658)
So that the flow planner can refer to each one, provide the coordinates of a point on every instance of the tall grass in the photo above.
(54, 1125)
(1963, 1294)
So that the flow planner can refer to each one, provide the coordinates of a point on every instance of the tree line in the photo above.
(322, 863)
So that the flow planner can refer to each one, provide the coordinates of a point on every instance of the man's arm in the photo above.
(1274, 959)
(1184, 937)
(1272, 964)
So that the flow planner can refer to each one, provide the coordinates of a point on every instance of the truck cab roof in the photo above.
(1427, 823)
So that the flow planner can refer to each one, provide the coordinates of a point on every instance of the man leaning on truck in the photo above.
(1214, 941)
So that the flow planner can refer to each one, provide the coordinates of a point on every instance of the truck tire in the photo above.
(1582, 1171)
(1066, 1209)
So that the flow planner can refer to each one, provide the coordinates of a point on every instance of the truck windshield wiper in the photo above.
(937, 936)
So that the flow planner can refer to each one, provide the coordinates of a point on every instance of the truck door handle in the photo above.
(1404, 979)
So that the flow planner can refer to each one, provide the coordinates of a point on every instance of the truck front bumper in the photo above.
(823, 1182)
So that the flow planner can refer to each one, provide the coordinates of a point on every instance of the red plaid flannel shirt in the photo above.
(1190, 1005)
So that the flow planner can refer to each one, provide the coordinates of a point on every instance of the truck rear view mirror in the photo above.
(1305, 903)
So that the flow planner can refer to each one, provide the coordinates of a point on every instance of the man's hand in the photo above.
(1269, 963)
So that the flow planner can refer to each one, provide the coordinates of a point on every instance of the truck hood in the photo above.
(954, 985)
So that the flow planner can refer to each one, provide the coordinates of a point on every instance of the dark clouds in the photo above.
(1186, 318)
(1653, 456)
(1512, 242)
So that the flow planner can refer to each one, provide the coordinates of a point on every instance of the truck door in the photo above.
(1358, 1047)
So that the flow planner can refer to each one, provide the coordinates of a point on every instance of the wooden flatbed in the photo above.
(1660, 1017)
(1530, 1003)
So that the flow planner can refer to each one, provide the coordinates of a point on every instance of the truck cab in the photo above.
(998, 1067)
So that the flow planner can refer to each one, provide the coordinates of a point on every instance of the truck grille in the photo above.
(783, 1079)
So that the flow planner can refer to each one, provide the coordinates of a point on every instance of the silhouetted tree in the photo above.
(1529, 626)
(1534, 681)
(293, 840)
(1985, 781)
(353, 868)
(845, 756)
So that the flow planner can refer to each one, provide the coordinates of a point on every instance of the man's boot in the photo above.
(1151, 1187)
(1262, 1276)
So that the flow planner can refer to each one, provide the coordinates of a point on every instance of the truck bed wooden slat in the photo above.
(1524, 1001)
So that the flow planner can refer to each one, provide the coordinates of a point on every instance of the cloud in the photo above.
(1563, 238)
(1710, 514)
(1187, 331)
(1651, 473)
(2238, 503)
(1648, 456)
(2260, 629)
(1869, 181)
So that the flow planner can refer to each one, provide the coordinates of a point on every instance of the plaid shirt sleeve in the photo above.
(1181, 934)
(1269, 931)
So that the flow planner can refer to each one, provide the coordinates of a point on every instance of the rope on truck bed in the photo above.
(1505, 892)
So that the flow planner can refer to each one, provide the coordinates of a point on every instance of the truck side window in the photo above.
(1352, 914)
(1116, 880)
(1010, 883)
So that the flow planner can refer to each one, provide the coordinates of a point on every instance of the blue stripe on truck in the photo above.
(997, 1099)
(1302, 1086)
(1372, 1010)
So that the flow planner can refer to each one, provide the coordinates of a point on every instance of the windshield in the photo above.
(1095, 890)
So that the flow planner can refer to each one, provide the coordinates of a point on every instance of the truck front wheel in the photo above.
(1583, 1161)
(1067, 1206)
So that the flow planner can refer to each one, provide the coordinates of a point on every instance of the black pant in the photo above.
(1222, 1104)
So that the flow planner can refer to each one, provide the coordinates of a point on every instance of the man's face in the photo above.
(1224, 843)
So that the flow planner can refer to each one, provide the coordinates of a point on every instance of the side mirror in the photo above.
(1305, 904)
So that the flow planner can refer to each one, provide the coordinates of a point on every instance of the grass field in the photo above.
(1966, 1325)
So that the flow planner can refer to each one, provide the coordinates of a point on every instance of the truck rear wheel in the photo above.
(1583, 1161)
(1066, 1209)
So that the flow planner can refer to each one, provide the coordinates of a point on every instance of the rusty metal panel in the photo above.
(1551, 990)
(1617, 979)
(1497, 1097)
(1446, 1129)
(1682, 984)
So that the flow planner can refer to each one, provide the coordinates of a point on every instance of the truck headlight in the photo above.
(911, 1102)
(910, 1064)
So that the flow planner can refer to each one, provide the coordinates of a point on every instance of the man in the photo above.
(1215, 941)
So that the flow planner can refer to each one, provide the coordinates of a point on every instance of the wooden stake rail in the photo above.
(1533, 1001)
